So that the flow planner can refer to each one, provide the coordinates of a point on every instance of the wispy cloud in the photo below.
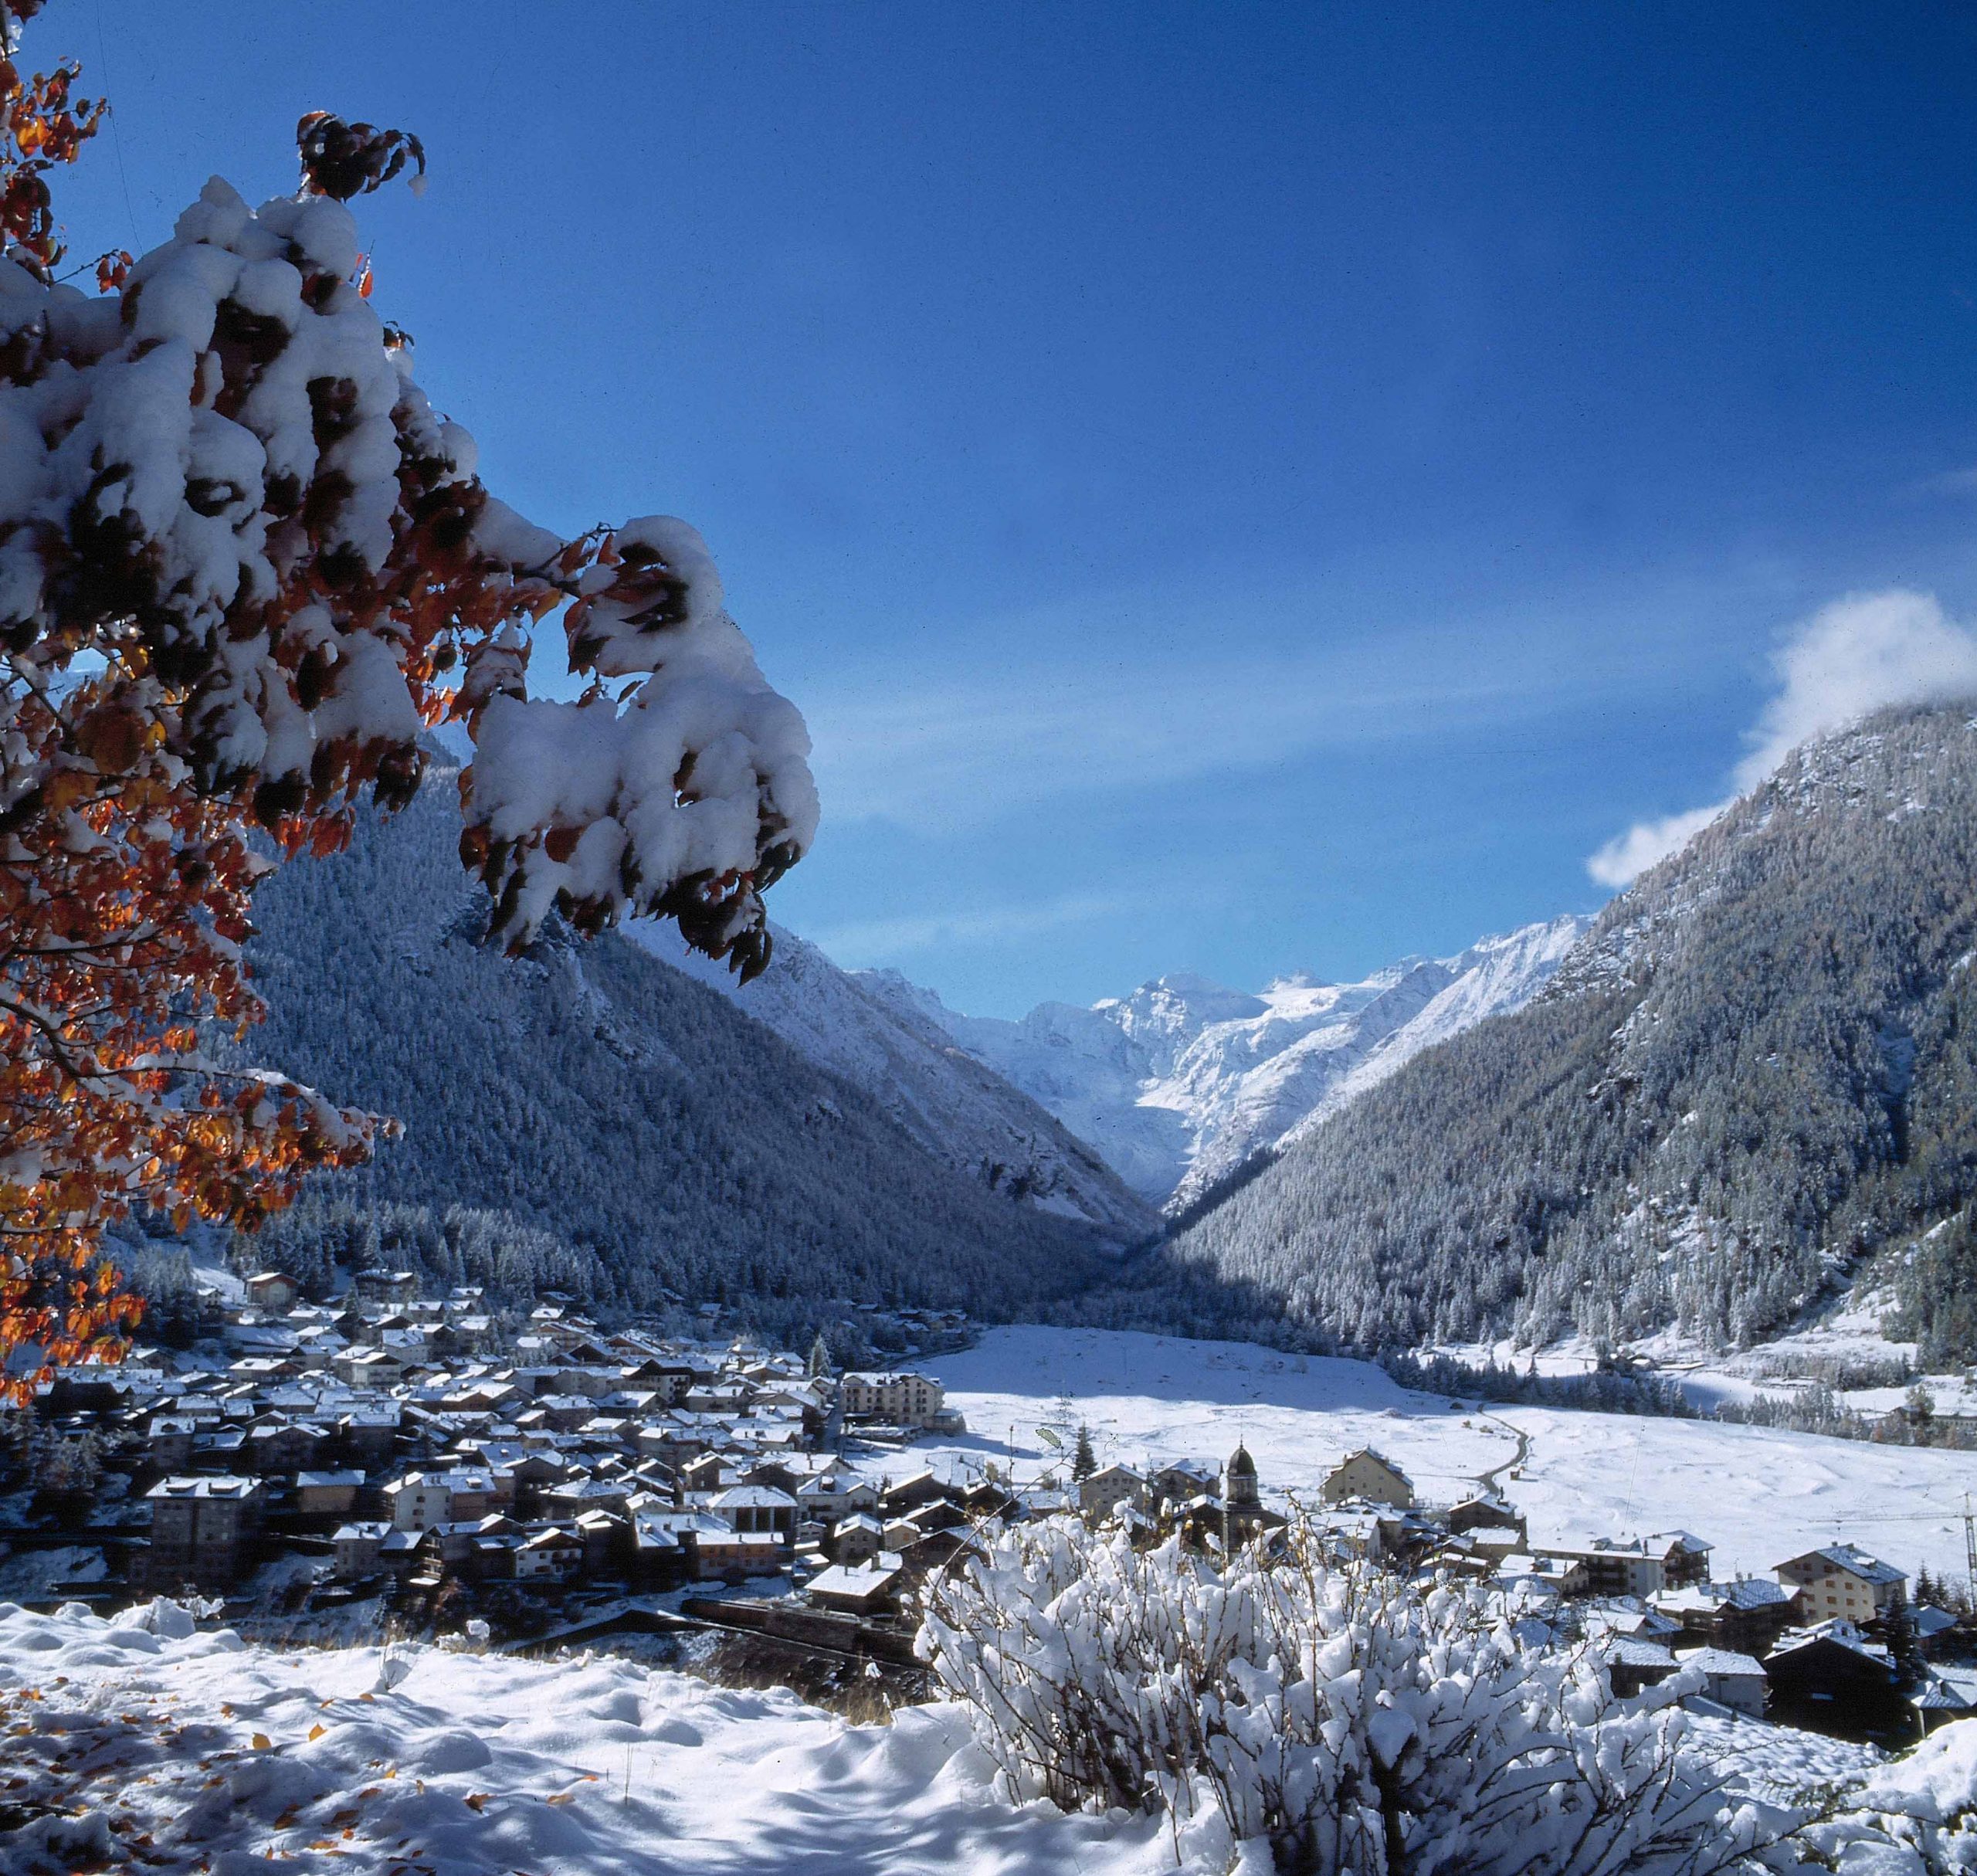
(1060, 705)
(1952, 482)
(884, 941)
(1862, 653)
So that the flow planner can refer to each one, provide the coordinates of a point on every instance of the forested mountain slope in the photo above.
(596, 1093)
(1182, 1081)
(1759, 1065)
(955, 1106)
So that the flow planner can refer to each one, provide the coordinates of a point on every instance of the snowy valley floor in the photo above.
(1757, 1494)
(134, 1741)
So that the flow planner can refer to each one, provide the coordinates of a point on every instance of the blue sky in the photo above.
(1234, 488)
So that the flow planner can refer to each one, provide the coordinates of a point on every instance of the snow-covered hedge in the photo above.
(1349, 1720)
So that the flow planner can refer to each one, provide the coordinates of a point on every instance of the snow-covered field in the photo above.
(183, 1751)
(1757, 1494)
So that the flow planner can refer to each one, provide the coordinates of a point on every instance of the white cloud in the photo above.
(1625, 857)
(1865, 653)
(1859, 655)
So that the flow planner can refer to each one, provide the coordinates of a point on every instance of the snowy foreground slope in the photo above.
(1759, 1495)
(1182, 1081)
(194, 1751)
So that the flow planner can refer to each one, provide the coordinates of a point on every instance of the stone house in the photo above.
(200, 1530)
(1365, 1474)
(1109, 1487)
(357, 1550)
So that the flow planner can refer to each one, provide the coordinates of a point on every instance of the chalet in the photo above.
(1684, 1557)
(916, 1489)
(1611, 1569)
(554, 1555)
(734, 1555)
(855, 1539)
(1731, 1680)
(1484, 1509)
(168, 1441)
(273, 1292)
(1542, 1577)
(370, 1431)
(600, 1532)
(1746, 1616)
(377, 1285)
(1947, 1694)
(896, 1399)
(1491, 1543)
(758, 1508)
(327, 1494)
(871, 1589)
(1633, 1663)
(835, 1495)
(360, 1367)
(1843, 1581)
(418, 1501)
(279, 1447)
(575, 1496)
(1364, 1474)
(1831, 1681)
(1935, 1628)
(1179, 1481)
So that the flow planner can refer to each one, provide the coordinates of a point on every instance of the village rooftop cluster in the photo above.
(431, 1460)
(411, 1457)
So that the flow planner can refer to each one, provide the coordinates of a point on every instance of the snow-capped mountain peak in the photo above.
(1180, 1081)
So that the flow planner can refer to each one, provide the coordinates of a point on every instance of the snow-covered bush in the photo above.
(1353, 1721)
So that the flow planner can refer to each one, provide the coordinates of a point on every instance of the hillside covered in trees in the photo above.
(607, 1124)
(1757, 1070)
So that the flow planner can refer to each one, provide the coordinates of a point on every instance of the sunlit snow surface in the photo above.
(226, 1756)
(1758, 1495)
